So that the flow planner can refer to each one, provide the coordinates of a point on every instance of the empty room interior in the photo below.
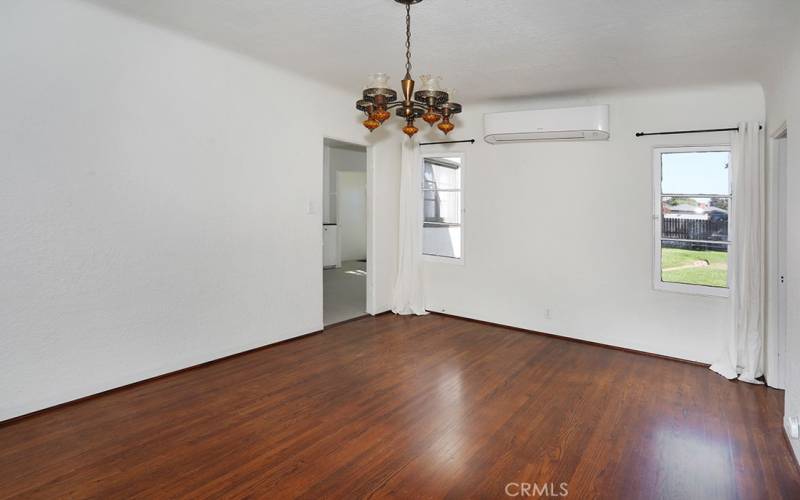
(400, 249)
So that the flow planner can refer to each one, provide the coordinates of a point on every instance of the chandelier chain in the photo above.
(408, 39)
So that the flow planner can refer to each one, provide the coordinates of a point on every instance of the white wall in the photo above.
(567, 226)
(351, 196)
(783, 106)
(154, 195)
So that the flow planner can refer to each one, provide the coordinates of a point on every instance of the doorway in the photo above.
(344, 275)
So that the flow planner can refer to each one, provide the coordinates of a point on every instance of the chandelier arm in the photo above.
(400, 104)
(414, 104)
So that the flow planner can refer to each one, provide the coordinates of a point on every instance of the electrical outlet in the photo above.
(547, 314)
(794, 427)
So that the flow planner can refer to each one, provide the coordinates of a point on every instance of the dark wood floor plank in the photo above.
(431, 407)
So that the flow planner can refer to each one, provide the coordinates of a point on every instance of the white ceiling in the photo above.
(495, 48)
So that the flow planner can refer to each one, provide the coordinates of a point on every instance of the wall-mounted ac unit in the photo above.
(562, 124)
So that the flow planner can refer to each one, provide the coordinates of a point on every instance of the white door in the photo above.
(351, 199)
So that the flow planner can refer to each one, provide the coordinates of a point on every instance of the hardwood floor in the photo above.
(427, 407)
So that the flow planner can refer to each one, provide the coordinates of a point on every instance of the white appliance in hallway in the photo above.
(351, 210)
(330, 246)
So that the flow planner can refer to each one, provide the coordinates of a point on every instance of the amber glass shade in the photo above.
(410, 129)
(430, 118)
(371, 124)
(446, 126)
(381, 115)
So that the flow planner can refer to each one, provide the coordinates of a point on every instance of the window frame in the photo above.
(442, 258)
(657, 239)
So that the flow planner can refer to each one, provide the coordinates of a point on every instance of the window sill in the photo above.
(443, 260)
(708, 291)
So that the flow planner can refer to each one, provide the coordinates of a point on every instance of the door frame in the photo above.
(776, 342)
(371, 230)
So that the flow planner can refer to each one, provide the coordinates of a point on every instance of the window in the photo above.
(442, 206)
(693, 195)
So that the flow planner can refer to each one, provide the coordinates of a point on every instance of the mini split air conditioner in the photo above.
(563, 124)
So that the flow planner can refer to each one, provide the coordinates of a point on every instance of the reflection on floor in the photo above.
(345, 292)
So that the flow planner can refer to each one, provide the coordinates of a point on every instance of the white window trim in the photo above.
(440, 258)
(659, 285)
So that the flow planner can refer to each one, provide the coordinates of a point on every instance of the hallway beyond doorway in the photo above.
(345, 292)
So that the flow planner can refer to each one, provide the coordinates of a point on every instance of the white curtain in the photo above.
(742, 352)
(409, 296)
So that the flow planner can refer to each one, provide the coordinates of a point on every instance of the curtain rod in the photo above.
(471, 141)
(730, 129)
